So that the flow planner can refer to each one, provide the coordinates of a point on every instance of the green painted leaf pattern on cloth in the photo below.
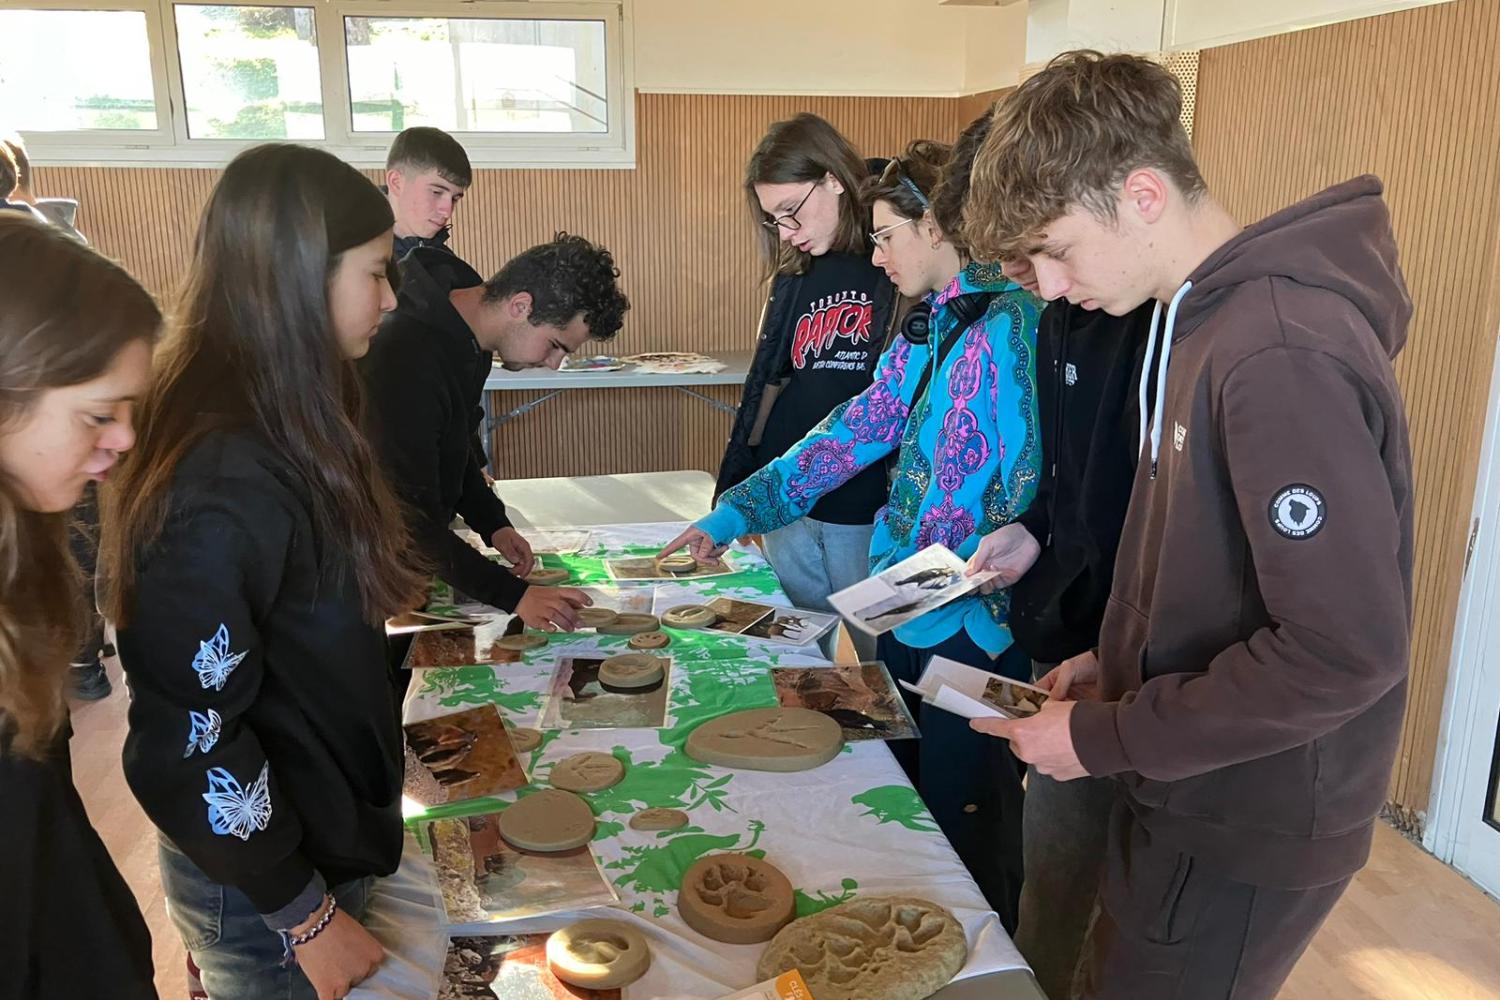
(896, 804)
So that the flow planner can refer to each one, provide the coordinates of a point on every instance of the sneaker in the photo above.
(90, 682)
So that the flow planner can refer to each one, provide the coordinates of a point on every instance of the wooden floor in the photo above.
(1410, 928)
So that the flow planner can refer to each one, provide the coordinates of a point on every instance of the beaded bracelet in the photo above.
(317, 928)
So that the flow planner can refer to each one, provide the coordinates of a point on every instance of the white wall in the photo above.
(855, 47)
(1196, 24)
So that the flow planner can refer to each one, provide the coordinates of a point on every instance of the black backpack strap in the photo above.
(969, 308)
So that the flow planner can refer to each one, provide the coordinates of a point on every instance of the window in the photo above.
(250, 72)
(66, 70)
(477, 74)
(537, 83)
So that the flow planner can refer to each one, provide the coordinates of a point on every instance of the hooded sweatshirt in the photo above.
(1254, 653)
(423, 378)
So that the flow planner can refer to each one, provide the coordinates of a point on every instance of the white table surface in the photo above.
(737, 366)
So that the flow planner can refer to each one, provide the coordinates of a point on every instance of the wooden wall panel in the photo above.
(1415, 98)
(677, 224)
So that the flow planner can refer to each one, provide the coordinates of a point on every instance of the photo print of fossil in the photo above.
(460, 756)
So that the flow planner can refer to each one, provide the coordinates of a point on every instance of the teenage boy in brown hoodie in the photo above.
(1248, 689)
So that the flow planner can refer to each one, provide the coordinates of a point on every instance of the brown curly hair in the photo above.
(1068, 137)
(922, 164)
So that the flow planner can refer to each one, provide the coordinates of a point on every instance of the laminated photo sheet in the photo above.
(577, 699)
(461, 755)
(625, 600)
(427, 621)
(970, 692)
(909, 589)
(465, 646)
(557, 541)
(510, 967)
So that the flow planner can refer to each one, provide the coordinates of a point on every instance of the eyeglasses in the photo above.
(789, 220)
(881, 238)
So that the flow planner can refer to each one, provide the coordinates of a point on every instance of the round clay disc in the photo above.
(631, 670)
(630, 624)
(598, 954)
(547, 576)
(735, 898)
(678, 563)
(659, 819)
(549, 820)
(649, 640)
(587, 772)
(597, 617)
(689, 616)
(525, 739)
(904, 947)
(521, 643)
(767, 739)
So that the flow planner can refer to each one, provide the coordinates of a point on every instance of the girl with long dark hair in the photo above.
(251, 553)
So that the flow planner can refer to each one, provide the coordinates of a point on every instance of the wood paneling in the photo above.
(677, 224)
(1415, 98)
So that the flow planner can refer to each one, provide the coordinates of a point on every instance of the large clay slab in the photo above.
(587, 772)
(549, 820)
(598, 954)
(878, 948)
(735, 898)
(767, 739)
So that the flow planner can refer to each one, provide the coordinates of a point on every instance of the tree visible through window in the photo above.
(250, 72)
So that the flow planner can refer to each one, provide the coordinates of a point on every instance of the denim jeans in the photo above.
(238, 956)
(813, 559)
(970, 782)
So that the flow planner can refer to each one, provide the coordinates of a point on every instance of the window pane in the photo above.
(476, 74)
(250, 72)
(76, 69)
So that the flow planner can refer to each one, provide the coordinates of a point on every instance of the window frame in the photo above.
(170, 144)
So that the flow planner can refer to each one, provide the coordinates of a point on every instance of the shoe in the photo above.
(90, 682)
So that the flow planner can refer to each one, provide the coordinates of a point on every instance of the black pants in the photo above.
(970, 782)
(1168, 929)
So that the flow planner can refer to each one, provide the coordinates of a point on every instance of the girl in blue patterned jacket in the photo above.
(958, 408)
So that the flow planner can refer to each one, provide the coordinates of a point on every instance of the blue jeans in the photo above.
(813, 559)
(970, 782)
(238, 956)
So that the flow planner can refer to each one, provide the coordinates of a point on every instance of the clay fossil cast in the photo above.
(630, 624)
(597, 617)
(525, 739)
(735, 898)
(677, 564)
(689, 616)
(648, 640)
(659, 819)
(631, 670)
(598, 954)
(521, 643)
(549, 820)
(767, 739)
(876, 948)
(547, 576)
(587, 772)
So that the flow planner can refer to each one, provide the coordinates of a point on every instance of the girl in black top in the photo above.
(827, 320)
(251, 554)
(75, 351)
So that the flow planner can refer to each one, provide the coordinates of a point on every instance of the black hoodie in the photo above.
(265, 741)
(1087, 368)
(424, 376)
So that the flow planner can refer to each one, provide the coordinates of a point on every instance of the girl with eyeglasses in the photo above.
(956, 402)
(829, 315)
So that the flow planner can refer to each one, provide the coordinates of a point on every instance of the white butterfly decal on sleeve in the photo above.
(214, 663)
(203, 732)
(237, 811)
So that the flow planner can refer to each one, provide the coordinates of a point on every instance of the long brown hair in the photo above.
(251, 345)
(65, 314)
(797, 151)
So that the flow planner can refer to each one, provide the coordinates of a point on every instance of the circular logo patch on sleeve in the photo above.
(1298, 511)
